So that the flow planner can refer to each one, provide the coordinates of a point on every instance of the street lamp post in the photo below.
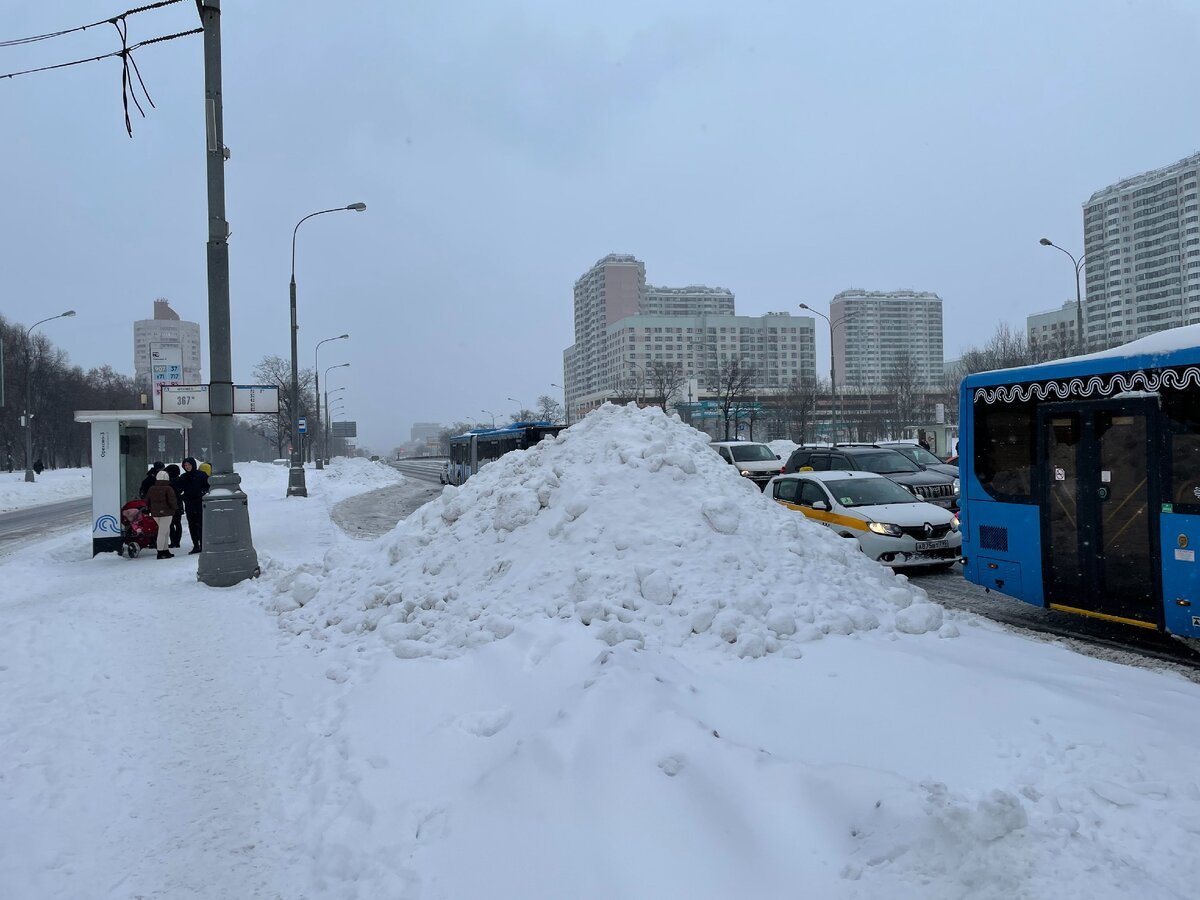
(325, 433)
(1078, 263)
(296, 486)
(320, 444)
(492, 414)
(832, 383)
(566, 407)
(519, 406)
(28, 415)
(338, 407)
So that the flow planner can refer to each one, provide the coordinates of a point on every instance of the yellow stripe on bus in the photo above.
(828, 517)
(1105, 616)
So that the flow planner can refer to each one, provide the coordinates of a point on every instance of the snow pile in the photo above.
(627, 523)
(52, 486)
(783, 447)
(347, 476)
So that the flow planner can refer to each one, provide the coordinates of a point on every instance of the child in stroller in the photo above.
(138, 528)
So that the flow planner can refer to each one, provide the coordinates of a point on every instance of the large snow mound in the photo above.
(626, 523)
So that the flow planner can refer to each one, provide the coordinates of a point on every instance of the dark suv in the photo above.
(930, 486)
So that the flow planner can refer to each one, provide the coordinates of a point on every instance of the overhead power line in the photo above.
(33, 39)
(122, 52)
(129, 67)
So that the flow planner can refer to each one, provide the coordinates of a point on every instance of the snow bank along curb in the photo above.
(626, 523)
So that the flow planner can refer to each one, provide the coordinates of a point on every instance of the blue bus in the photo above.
(1081, 482)
(482, 445)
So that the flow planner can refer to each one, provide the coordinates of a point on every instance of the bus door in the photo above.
(1099, 533)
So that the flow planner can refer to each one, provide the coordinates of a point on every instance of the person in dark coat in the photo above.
(148, 481)
(176, 520)
(162, 502)
(193, 485)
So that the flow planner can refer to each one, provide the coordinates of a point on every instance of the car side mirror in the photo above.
(777, 456)
(820, 504)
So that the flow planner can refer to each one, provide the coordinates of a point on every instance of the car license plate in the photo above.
(932, 545)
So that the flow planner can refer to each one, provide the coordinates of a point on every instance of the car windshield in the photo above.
(919, 455)
(752, 453)
(886, 462)
(868, 492)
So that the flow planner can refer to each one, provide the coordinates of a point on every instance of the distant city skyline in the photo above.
(784, 151)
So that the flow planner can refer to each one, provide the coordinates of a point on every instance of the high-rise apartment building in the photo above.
(693, 300)
(1142, 241)
(1052, 334)
(166, 349)
(878, 334)
(623, 327)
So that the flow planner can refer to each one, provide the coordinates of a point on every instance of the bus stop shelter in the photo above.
(120, 458)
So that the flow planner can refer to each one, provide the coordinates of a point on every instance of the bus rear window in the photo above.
(1004, 450)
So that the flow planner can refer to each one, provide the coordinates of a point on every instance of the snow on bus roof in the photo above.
(1147, 351)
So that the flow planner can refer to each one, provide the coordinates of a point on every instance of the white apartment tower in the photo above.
(166, 350)
(622, 327)
(878, 333)
(1142, 241)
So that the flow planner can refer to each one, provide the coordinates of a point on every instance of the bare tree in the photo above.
(549, 409)
(904, 380)
(626, 389)
(1007, 348)
(278, 428)
(523, 415)
(664, 382)
(733, 382)
(795, 404)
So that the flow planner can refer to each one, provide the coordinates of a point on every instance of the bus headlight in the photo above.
(884, 528)
(956, 483)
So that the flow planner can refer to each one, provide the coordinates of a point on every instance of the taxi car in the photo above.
(891, 525)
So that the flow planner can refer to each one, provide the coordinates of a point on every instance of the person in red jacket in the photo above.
(162, 502)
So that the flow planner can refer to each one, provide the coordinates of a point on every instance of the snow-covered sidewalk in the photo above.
(49, 487)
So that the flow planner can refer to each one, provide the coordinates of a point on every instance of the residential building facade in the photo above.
(166, 349)
(1053, 334)
(1141, 239)
(879, 334)
(623, 327)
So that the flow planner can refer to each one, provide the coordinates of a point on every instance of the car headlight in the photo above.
(884, 528)
(954, 524)
(746, 472)
(956, 485)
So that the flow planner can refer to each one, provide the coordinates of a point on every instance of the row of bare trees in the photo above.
(56, 390)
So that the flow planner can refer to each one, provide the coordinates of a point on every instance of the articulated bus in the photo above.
(1081, 482)
(482, 445)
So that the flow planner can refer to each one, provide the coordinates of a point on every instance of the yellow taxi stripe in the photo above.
(828, 517)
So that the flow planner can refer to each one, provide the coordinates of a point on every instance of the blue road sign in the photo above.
(303, 426)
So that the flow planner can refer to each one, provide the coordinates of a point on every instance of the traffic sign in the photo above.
(183, 398)
(256, 399)
(253, 399)
(302, 427)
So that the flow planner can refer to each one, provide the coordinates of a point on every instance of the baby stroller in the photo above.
(138, 528)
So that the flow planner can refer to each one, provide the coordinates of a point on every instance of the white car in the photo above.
(891, 525)
(753, 460)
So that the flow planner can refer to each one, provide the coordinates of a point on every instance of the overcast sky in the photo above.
(784, 150)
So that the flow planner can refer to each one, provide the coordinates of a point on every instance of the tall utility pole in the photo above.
(1078, 264)
(228, 554)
